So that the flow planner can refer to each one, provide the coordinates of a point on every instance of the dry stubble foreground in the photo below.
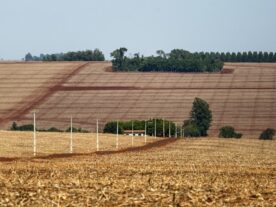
(195, 172)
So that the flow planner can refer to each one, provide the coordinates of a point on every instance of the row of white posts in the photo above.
(117, 134)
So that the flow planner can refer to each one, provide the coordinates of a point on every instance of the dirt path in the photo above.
(149, 146)
(28, 106)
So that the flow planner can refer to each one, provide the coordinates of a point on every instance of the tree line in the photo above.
(149, 125)
(179, 60)
(258, 57)
(87, 55)
(176, 61)
(197, 125)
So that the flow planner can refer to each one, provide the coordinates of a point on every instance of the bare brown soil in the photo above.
(243, 95)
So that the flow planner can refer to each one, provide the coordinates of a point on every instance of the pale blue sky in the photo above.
(51, 26)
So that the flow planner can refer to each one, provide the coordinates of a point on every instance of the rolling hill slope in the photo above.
(243, 95)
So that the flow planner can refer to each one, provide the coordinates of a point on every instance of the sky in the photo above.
(144, 26)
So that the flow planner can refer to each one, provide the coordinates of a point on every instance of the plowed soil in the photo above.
(243, 95)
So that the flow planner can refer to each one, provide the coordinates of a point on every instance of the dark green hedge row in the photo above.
(111, 127)
(87, 55)
(30, 127)
(176, 61)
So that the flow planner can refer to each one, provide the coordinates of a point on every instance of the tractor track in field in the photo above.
(27, 106)
(144, 148)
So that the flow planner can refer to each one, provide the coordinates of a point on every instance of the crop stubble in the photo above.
(194, 172)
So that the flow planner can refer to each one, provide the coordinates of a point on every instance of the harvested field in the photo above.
(193, 172)
(244, 96)
(20, 144)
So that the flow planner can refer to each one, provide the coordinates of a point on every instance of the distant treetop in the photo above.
(87, 55)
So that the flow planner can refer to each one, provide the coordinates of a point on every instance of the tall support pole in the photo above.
(155, 128)
(97, 141)
(163, 128)
(169, 129)
(176, 130)
(132, 134)
(117, 137)
(181, 132)
(34, 140)
(71, 135)
(145, 131)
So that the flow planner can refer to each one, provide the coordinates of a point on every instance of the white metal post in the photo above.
(34, 141)
(132, 134)
(145, 131)
(97, 141)
(71, 135)
(117, 137)
(155, 128)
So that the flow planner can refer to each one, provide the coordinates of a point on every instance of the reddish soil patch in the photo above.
(227, 71)
(157, 144)
(17, 114)
(149, 146)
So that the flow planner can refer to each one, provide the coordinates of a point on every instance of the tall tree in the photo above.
(201, 116)
(28, 57)
(119, 57)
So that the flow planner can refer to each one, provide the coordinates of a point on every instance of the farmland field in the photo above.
(20, 144)
(243, 95)
(187, 172)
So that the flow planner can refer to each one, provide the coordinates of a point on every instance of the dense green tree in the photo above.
(201, 116)
(228, 57)
(229, 132)
(249, 56)
(118, 58)
(270, 57)
(267, 134)
(87, 55)
(244, 57)
(28, 57)
(169, 127)
(260, 57)
(200, 119)
(239, 57)
(274, 57)
(14, 127)
(111, 127)
(255, 57)
(265, 57)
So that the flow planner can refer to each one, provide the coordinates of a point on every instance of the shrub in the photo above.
(267, 134)
(14, 126)
(191, 130)
(78, 130)
(111, 127)
(53, 129)
(229, 132)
